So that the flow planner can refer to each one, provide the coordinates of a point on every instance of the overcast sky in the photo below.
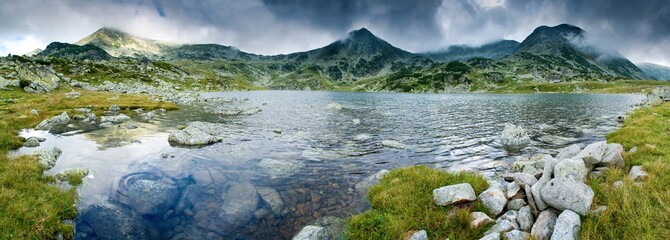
(639, 29)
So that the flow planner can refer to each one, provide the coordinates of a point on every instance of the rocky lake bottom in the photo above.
(299, 158)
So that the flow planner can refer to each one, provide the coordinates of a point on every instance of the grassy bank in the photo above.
(403, 202)
(32, 206)
(636, 212)
(621, 86)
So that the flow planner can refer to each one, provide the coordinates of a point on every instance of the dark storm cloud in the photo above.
(638, 29)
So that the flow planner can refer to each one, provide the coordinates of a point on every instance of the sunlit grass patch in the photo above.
(403, 202)
(642, 210)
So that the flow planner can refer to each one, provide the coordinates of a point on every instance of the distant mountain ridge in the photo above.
(658, 72)
(363, 60)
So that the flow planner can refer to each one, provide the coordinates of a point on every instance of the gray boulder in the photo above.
(535, 189)
(456, 193)
(494, 199)
(514, 137)
(365, 185)
(502, 226)
(525, 219)
(516, 235)
(419, 235)
(512, 189)
(105, 220)
(571, 168)
(311, 233)
(523, 179)
(241, 201)
(536, 162)
(272, 199)
(197, 133)
(48, 157)
(593, 153)
(280, 167)
(566, 193)
(479, 219)
(516, 204)
(567, 226)
(491, 236)
(59, 120)
(114, 109)
(544, 226)
(637, 173)
(116, 119)
(612, 157)
(569, 151)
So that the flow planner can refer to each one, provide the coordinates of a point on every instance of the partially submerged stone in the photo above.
(393, 144)
(514, 137)
(48, 157)
(197, 134)
(59, 120)
(72, 175)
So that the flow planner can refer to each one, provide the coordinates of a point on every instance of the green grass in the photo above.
(621, 86)
(636, 212)
(31, 205)
(403, 202)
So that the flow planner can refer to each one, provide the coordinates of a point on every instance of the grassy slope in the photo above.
(636, 212)
(403, 202)
(32, 207)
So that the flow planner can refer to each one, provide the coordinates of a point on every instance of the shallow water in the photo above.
(190, 193)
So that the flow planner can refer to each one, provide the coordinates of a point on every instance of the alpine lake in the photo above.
(299, 159)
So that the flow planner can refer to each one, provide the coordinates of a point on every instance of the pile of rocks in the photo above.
(542, 204)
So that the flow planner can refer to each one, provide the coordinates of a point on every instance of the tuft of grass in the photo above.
(636, 211)
(403, 202)
(32, 206)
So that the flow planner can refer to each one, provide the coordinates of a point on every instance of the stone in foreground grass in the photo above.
(636, 211)
(403, 202)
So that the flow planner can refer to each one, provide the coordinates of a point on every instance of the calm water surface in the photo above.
(164, 192)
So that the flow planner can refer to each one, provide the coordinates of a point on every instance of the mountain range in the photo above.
(364, 61)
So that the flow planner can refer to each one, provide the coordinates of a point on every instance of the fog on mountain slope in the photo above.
(656, 71)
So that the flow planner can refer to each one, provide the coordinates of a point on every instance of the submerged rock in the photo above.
(241, 201)
(59, 120)
(107, 220)
(335, 106)
(279, 168)
(514, 137)
(197, 133)
(148, 194)
(48, 157)
(71, 174)
(272, 199)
